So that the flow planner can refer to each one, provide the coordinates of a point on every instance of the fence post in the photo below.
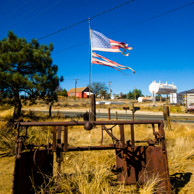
(116, 115)
(133, 112)
(93, 108)
(166, 114)
(109, 118)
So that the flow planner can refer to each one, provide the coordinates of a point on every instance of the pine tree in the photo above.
(27, 67)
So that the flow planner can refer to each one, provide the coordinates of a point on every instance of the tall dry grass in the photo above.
(180, 146)
(7, 139)
(94, 168)
(91, 172)
(7, 113)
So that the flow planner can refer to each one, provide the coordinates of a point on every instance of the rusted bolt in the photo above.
(151, 142)
(88, 126)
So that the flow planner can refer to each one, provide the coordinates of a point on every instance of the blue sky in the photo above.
(163, 48)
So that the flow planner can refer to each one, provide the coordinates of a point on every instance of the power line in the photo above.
(67, 27)
(161, 14)
(116, 7)
(71, 47)
(82, 21)
(24, 15)
(137, 23)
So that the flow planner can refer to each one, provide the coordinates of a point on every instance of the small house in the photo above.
(79, 92)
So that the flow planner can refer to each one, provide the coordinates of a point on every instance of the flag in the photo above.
(100, 42)
(107, 62)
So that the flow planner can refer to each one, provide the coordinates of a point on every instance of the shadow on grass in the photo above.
(179, 180)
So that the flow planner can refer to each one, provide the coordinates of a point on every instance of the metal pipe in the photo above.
(132, 137)
(54, 139)
(122, 135)
(93, 148)
(65, 140)
(74, 123)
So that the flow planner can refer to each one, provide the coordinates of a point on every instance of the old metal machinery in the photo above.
(136, 160)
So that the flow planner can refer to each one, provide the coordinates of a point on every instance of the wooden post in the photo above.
(166, 114)
(133, 112)
(116, 115)
(93, 108)
(109, 117)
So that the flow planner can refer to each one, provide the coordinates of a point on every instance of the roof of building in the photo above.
(187, 91)
(72, 90)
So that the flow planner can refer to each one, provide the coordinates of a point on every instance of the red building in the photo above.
(80, 92)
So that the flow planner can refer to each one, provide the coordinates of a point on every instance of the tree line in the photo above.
(101, 90)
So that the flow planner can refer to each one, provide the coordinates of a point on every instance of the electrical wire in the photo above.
(162, 14)
(24, 15)
(116, 7)
(67, 27)
(71, 47)
(85, 20)
(11, 14)
(137, 23)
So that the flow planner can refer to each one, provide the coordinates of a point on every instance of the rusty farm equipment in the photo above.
(135, 163)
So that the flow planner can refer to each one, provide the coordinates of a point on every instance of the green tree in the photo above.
(27, 67)
(104, 94)
(99, 88)
(124, 96)
(135, 94)
(61, 92)
(130, 95)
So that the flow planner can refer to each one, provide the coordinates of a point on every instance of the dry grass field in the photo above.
(90, 172)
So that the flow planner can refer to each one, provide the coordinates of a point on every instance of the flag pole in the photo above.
(89, 59)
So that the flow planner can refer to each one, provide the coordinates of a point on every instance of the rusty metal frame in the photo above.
(125, 150)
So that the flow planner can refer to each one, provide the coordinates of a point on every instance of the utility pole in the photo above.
(109, 83)
(75, 87)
